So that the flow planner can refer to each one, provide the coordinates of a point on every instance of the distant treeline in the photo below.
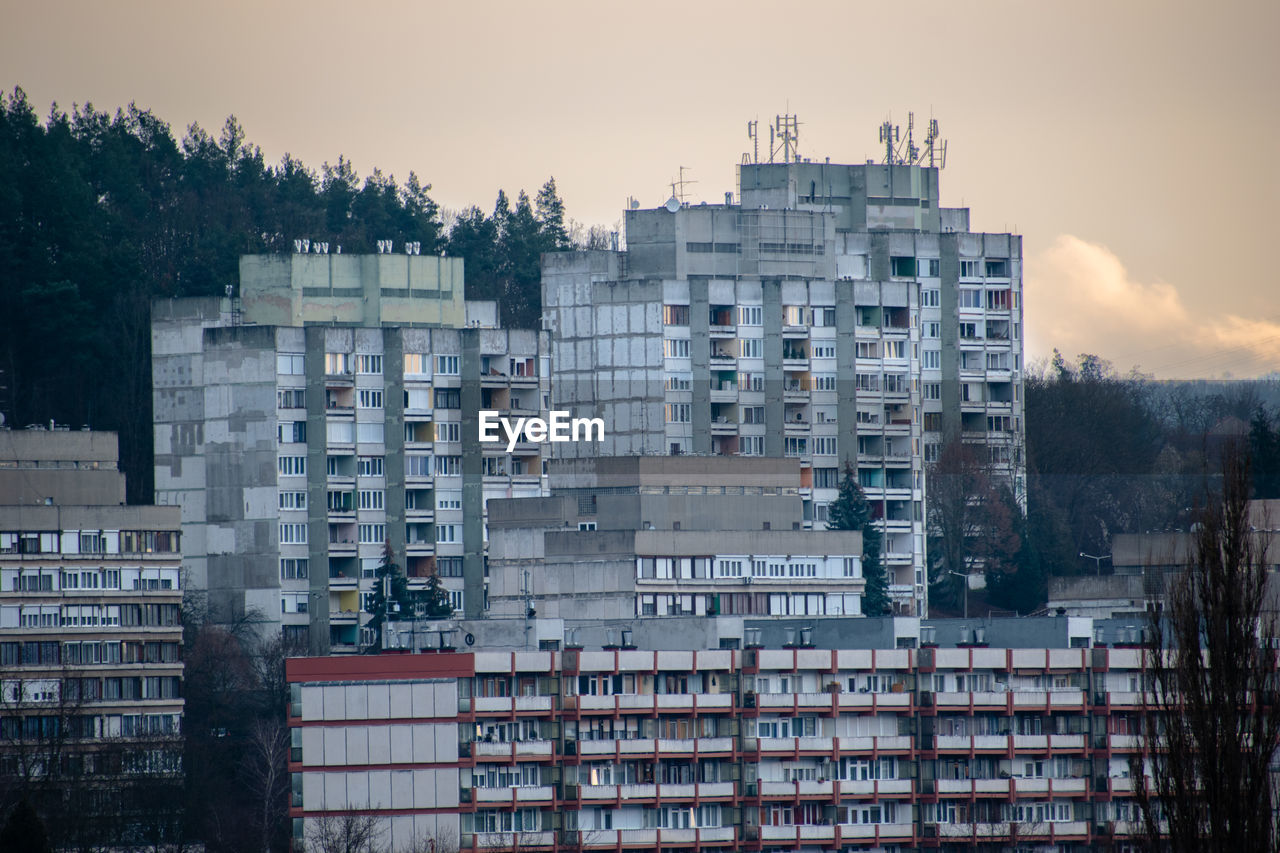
(100, 213)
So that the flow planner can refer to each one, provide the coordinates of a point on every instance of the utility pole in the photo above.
(1097, 560)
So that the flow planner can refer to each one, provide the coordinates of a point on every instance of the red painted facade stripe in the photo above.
(380, 667)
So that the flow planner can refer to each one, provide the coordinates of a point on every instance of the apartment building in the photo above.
(90, 639)
(330, 412)
(695, 734)
(829, 313)
(660, 536)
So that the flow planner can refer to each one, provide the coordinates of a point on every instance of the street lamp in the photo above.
(966, 590)
(1097, 560)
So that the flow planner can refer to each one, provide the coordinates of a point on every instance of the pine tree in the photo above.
(550, 213)
(850, 511)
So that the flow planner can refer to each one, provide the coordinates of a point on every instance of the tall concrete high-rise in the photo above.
(329, 413)
(831, 313)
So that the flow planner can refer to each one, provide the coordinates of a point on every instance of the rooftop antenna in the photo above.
(913, 153)
(936, 146)
(786, 131)
(889, 136)
(677, 187)
(753, 133)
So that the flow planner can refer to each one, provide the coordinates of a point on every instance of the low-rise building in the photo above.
(729, 734)
(661, 536)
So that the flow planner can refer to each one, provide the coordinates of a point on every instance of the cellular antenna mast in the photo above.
(936, 146)
(753, 133)
(785, 132)
(889, 136)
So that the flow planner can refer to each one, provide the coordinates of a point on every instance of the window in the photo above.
(997, 300)
(930, 298)
(448, 398)
(371, 433)
(369, 466)
(895, 349)
(289, 364)
(369, 398)
(449, 567)
(970, 269)
(368, 363)
(932, 330)
(930, 359)
(927, 267)
(750, 315)
(753, 414)
(1000, 423)
(372, 534)
(447, 365)
(417, 399)
(997, 361)
(293, 569)
(290, 398)
(677, 413)
(678, 382)
(340, 432)
(675, 315)
(291, 432)
(825, 316)
(92, 542)
(447, 533)
(933, 421)
(414, 465)
(970, 297)
(997, 268)
(867, 349)
(824, 445)
(750, 347)
(415, 364)
(290, 500)
(292, 466)
(448, 431)
(449, 499)
(826, 478)
(672, 348)
(448, 466)
(794, 315)
(902, 267)
(824, 350)
(455, 599)
(796, 446)
(751, 445)
(371, 499)
(932, 391)
(337, 363)
(293, 534)
(750, 381)
(931, 451)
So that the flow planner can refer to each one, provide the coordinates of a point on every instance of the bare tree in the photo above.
(345, 833)
(1212, 720)
(266, 767)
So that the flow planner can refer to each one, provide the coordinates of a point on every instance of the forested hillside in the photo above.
(100, 213)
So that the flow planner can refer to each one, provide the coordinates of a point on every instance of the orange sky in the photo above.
(1132, 144)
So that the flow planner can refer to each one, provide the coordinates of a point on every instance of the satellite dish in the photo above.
(673, 204)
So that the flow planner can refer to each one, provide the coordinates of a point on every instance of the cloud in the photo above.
(1080, 298)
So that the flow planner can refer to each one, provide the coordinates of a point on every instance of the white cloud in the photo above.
(1080, 298)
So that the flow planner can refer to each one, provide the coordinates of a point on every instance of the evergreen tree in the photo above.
(850, 511)
(392, 599)
(550, 214)
(434, 601)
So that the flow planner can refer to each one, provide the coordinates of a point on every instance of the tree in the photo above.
(23, 831)
(850, 511)
(392, 599)
(344, 833)
(973, 521)
(1211, 720)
